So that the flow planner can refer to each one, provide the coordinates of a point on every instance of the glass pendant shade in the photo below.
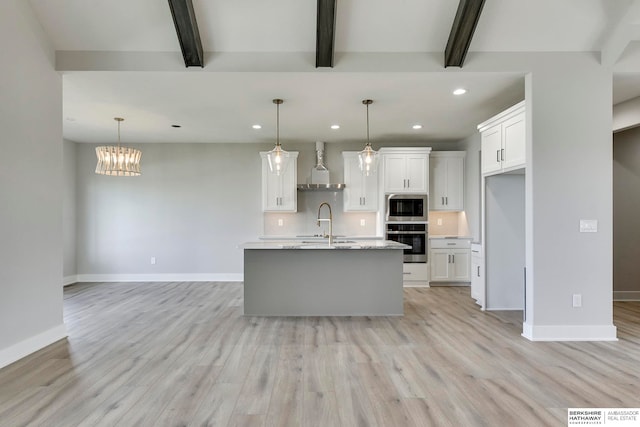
(368, 158)
(277, 158)
(118, 161)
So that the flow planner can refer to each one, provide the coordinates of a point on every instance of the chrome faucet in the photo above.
(330, 220)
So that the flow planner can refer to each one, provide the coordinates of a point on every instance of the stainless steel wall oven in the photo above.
(413, 234)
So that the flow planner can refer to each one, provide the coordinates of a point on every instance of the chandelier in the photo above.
(118, 161)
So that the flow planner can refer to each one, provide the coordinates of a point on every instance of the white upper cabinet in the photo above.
(446, 170)
(279, 192)
(361, 191)
(405, 170)
(503, 140)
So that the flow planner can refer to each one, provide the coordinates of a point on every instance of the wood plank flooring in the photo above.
(177, 354)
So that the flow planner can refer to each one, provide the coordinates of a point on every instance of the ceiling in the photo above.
(222, 106)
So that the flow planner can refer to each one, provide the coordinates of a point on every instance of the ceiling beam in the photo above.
(325, 33)
(184, 19)
(464, 24)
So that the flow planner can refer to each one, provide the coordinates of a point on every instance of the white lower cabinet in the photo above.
(415, 274)
(477, 274)
(450, 260)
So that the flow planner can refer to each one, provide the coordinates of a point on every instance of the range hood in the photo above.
(320, 174)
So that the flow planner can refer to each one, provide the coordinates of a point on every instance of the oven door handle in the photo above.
(406, 232)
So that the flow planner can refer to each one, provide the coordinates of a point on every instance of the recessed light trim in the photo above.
(416, 126)
(335, 127)
(460, 91)
(256, 127)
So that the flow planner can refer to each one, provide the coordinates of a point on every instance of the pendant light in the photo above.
(278, 159)
(368, 158)
(118, 161)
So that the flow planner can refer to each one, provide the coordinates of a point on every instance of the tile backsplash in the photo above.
(448, 224)
(304, 221)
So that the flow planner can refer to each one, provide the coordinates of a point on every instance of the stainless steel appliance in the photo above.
(407, 207)
(414, 234)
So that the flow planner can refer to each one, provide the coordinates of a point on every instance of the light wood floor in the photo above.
(173, 354)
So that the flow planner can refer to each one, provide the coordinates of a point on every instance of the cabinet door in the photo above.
(454, 197)
(437, 183)
(394, 174)
(279, 192)
(513, 141)
(417, 174)
(460, 267)
(440, 263)
(477, 280)
(491, 143)
(361, 191)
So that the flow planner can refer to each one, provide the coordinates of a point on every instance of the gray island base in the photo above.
(289, 281)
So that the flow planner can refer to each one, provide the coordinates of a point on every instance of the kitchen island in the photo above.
(354, 278)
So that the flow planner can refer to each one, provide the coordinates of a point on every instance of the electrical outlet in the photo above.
(439, 221)
(577, 300)
(280, 222)
(362, 222)
(153, 260)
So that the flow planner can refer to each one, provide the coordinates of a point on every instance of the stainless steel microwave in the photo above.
(407, 207)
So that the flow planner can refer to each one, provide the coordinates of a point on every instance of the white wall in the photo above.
(626, 214)
(31, 187)
(69, 268)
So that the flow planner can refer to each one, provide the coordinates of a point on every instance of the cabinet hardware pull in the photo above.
(478, 271)
(408, 183)
(364, 200)
(406, 272)
(446, 200)
(453, 259)
(442, 200)
(498, 156)
(502, 154)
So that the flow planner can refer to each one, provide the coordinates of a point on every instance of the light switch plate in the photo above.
(588, 225)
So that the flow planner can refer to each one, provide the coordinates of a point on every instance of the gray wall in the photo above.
(505, 242)
(69, 268)
(626, 213)
(472, 182)
(30, 187)
(190, 209)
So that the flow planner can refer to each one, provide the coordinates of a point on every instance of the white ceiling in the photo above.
(221, 107)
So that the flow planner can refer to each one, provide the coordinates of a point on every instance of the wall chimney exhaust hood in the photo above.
(320, 174)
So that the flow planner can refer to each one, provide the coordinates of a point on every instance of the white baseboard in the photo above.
(626, 295)
(31, 345)
(569, 332)
(503, 309)
(170, 277)
(69, 280)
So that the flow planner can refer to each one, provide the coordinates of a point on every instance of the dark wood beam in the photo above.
(325, 33)
(184, 19)
(464, 24)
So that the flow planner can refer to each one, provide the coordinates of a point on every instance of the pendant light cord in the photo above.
(368, 143)
(278, 125)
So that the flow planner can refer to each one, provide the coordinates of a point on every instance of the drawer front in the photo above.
(450, 243)
(415, 271)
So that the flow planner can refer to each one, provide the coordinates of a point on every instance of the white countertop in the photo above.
(317, 238)
(444, 236)
(339, 244)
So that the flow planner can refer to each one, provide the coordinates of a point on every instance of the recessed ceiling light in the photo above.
(256, 127)
(417, 126)
(459, 91)
(335, 126)
(176, 126)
